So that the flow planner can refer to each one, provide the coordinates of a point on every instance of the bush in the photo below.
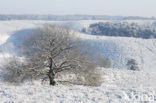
(132, 65)
(88, 76)
(17, 72)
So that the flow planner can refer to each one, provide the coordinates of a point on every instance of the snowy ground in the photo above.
(119, 85)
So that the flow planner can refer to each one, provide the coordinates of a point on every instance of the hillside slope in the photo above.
(120, 49)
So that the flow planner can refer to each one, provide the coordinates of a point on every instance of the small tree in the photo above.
(47, 51)
(132, 64)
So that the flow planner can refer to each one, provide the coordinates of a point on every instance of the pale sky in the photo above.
(146, 8)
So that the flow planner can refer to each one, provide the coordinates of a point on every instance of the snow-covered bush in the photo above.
(16, 72)
(91, 75)
(88, 75)
(132, 65)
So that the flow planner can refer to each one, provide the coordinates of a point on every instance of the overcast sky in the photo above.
(146, 8)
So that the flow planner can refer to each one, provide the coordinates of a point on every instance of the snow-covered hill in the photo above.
(119, 85)
(120, 49)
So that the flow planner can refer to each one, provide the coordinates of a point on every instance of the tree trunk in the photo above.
(51, 73)
(51, 78)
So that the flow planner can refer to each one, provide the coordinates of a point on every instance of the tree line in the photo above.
(123, 29)
(69, 17)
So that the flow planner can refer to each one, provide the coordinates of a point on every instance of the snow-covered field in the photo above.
(118, 85)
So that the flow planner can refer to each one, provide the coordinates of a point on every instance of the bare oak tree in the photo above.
(50, 49)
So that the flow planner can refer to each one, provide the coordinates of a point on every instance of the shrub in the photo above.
(132, 65)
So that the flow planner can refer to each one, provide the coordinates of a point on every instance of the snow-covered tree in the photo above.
(121, 29)
(49, 50)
